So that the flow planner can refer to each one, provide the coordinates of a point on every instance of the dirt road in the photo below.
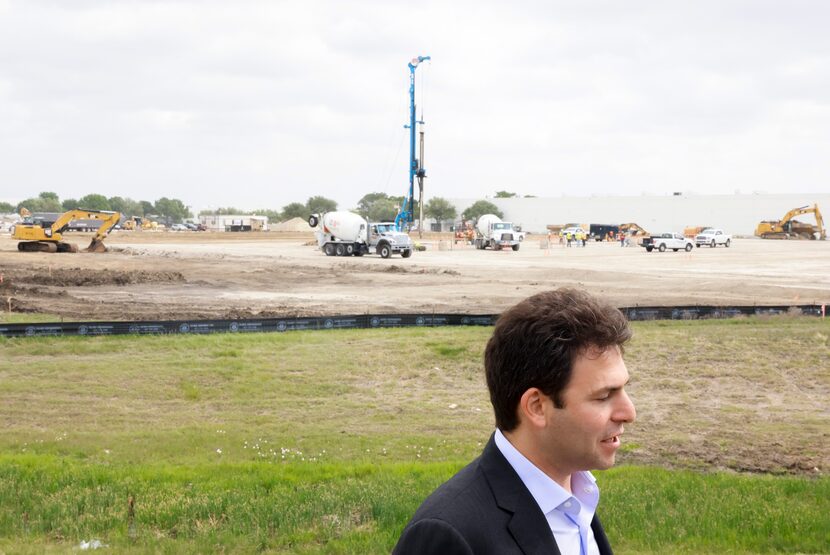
(202, 275)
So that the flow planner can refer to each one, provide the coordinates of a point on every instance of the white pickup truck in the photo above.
(713, 237)
(663, 241)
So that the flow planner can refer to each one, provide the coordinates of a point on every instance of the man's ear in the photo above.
(532, 408)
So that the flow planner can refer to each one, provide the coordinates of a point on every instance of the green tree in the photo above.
(440, 209)
(479, 208)
(6, 207)
(94, 202)
(505, 194)
(365, 203)
(172, 209)
(126, 206)
(147, 207)
(272, 215)
(382, 210)
(320, 204)
(69, 204)
(295, 210)
(40, 204)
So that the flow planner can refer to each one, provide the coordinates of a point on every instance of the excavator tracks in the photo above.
(46, 246)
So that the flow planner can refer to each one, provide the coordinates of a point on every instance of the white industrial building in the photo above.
(234, 222)
(737, 214)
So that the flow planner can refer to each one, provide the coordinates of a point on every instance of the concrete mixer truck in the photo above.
(496, 234)
(348, 234)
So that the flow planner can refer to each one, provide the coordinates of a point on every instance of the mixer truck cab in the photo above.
(348, 234)
(496, 234)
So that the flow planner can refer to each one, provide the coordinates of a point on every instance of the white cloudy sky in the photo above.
(256, 104)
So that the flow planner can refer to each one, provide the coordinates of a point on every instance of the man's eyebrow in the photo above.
(611, 388)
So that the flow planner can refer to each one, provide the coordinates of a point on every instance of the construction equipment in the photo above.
(789, 228)
(693, 231)
(348, 234)
(44, 236)
(633, 229)
(496, 234)
(405, 217)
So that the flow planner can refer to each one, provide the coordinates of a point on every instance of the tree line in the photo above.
(376, 207)
(170, 210)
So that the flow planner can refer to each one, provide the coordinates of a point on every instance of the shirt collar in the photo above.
(548, 494)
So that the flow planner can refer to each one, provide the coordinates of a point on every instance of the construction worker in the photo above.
(622, 239)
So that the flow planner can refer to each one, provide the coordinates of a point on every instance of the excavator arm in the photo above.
(110, 219)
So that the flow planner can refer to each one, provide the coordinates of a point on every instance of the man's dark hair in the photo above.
(536, 342)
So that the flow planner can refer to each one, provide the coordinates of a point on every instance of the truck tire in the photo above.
(384, 250)
(697, 245)
(406, 253)
(675, 250)
(340, 250)
(712, 245)
(688, 247)
(728, 241)
(312, 221)
(328, 249)
(649, 249)
(515, 247)
(662, 247)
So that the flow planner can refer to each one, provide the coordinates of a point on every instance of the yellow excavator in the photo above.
(43, 236)
(788, 228)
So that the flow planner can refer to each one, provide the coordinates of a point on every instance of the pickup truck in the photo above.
(663, 241)
(713, 237)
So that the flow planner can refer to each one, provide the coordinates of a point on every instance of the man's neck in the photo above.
(527, 446)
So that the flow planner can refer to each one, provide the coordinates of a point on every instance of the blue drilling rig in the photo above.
(405, 217)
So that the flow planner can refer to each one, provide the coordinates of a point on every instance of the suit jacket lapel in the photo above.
(528, 524)
(600, 537)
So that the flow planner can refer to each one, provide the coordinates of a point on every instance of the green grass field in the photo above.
(326, 442)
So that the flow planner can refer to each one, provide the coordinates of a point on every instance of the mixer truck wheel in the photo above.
(329, 249)
(349, 250)
(312, 221)
(340, 250)
(384, 250)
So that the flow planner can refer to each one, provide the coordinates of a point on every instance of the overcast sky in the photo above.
(255, 104)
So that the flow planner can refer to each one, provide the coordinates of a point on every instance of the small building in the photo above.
(234, 222)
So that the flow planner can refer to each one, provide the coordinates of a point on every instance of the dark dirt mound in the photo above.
(80, 277)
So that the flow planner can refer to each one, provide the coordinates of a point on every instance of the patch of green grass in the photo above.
(326, 442)
(361, 508)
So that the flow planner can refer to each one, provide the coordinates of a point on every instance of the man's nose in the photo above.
(625, 411)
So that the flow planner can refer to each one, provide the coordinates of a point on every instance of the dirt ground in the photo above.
(188, 275)
(169, 275)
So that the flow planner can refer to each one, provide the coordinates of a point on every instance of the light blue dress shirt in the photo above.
(568, 514)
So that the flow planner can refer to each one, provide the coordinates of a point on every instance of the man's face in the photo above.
(585, 433)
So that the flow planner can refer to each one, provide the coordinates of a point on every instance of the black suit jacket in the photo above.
(485, 508)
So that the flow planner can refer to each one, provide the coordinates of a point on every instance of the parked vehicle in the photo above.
(663, 241)
(178, 227)
(496, 234)
(348, 234)
(713, 237)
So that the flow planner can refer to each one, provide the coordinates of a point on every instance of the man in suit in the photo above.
(557, 381)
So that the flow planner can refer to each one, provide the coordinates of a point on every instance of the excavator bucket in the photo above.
(96, 246)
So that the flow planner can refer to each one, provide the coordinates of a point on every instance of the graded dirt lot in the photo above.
(169, 275)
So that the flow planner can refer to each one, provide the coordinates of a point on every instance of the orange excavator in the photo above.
(44, 236)
(789, 228)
